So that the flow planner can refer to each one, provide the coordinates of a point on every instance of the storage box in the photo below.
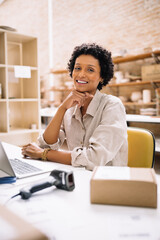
(150, 72)
(124, 186)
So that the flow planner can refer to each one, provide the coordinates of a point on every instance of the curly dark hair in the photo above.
(98, 52)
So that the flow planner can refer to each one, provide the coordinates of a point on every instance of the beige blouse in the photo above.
(97, 138)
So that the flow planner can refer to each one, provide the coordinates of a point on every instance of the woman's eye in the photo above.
(90, 70)
(77, 68)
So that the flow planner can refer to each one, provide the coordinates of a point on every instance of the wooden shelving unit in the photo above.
(61, 89)
(125, 89)
(139, 104)
(60, 71)
(133, 83)
(131, 58)
(56, 89)
(20, 102)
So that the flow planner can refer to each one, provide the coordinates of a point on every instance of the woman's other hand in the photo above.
(32, 150)
(76, 98)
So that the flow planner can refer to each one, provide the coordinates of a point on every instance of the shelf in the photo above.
(2, 65)
(11, 67)
(23, 100)
(20, 102)
(63, 89)
(129, 58)
(3, 100)
(132, 83)
(138, 104)
(60, 71)
(22, 130)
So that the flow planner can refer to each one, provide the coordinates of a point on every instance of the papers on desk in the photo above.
(6, 227)
(14, 227)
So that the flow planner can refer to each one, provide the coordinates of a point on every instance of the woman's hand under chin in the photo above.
(32, 150)
(76, 98)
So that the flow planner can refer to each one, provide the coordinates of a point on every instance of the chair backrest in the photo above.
(141, 147)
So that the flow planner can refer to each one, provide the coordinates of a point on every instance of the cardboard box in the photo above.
(150, 72)
(15, 228)
(124, 186)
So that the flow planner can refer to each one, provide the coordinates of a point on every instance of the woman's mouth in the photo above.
(81, 82)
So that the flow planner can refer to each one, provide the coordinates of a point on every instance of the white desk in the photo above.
(146, 119)
(141, 118)
(66, 215)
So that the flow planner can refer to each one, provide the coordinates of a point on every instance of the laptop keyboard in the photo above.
(21, 167)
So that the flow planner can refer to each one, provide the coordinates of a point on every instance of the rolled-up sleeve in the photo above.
(108, 143)
(55, 146)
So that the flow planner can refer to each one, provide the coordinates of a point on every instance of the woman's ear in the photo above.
(101, 81)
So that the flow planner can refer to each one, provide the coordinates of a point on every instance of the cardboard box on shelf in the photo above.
(150, 72)
(124, 186)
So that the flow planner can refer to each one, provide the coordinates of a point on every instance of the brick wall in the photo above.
(118, 25)
(131, 24)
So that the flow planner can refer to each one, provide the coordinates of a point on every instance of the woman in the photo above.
(93, 124)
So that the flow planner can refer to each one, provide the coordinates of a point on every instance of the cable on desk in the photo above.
(11, 198)
(60, 179)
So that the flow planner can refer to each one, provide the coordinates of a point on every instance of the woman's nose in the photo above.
(82, 73)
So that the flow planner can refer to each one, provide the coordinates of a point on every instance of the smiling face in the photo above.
(86, 74)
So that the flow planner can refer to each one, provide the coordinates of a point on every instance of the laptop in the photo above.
(19, 167)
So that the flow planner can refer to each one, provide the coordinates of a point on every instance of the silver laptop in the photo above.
(20, 168)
